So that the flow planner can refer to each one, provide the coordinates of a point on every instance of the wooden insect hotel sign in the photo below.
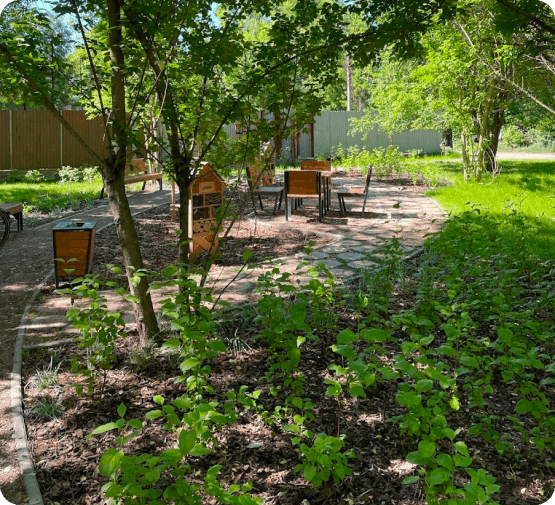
(206, 196)
(73, 248)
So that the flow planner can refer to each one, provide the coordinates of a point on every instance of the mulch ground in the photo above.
(66, 460)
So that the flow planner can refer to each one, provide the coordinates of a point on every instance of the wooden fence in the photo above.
(35, 139)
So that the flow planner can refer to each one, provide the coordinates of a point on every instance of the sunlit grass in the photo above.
(50, 196)
(525, 186)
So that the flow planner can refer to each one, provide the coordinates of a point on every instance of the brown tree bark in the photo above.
(113, 174)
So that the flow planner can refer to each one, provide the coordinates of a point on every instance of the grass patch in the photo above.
(50, 196)
(528, 186)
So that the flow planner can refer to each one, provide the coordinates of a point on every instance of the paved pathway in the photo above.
(391, 211)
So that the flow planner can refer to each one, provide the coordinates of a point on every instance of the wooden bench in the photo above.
(136, 171)
(16, 210)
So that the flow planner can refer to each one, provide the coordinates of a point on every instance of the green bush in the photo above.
(78, 174)
(515, 136)
(34, 176)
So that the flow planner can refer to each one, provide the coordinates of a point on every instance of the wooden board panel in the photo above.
(4, 140)
(72, 235)
(92, 132)
(36, 139)
(68, 253)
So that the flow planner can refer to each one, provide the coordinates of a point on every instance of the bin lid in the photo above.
(75, 225)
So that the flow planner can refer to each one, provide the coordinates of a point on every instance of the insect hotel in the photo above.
(206, 195)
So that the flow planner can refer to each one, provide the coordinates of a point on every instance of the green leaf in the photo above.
(462, 460)
(247, 255)
(158, 399)
(357, 390)
(110, 462)
(445, 460)
(187, 440)
(438, 476)
(424, 385)
(153, 414)
(426, 340)
(135, 423)
(169, 271)
(309, 472)
(524, 406)
(411, 479)
(188, 364)
(344, 350)
(346, 337)
(374, 335)
(426, 449)
(171, 344)
(297, 402)
(454, 402)
(461, 447)
(469, 361)
(104, 428)
(200, 450)
(358, 366)
(217, 345)
(121, 410)
(214, 470)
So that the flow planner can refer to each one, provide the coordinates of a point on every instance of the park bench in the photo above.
(136, 171)
(16, 210)
(7, 210)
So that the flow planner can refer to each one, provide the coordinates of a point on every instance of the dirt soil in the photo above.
(59, 421)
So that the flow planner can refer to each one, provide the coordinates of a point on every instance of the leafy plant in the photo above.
(99, 330)
(324, 460)
(47, 409)
(34, 176)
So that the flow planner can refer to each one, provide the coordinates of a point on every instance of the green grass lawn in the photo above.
(527, 186)
(525, 189)
(50, 196)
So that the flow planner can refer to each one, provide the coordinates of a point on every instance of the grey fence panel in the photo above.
(332, 128)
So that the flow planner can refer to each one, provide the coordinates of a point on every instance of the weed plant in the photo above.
(47, 409)
(463, 335)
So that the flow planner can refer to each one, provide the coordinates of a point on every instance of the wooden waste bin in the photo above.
(73, 248)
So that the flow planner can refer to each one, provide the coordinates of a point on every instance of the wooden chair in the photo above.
(304, 184)
(260, 184)
(355, 192)
(324, 166)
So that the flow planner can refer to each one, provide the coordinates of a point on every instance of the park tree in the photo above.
(22, 56)
(459, 81)
(196, 61)
(49, 39)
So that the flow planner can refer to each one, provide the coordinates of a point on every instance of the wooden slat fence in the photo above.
(35, 139)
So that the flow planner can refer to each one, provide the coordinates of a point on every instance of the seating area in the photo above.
(304, 184)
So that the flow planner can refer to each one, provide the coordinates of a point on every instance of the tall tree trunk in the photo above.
(496, 125)
(349, 79)
(464, 151)
(113, 176)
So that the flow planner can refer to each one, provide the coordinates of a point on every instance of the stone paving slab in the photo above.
(345, 257)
